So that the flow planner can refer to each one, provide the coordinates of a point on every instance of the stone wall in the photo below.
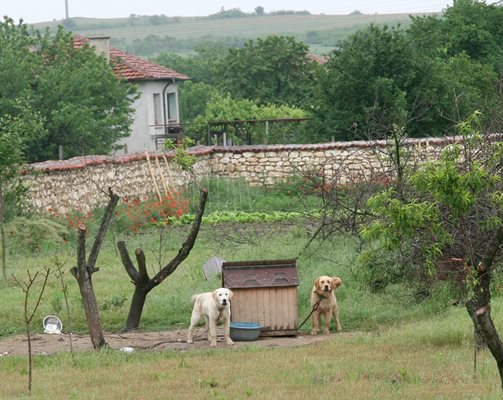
(81, 183)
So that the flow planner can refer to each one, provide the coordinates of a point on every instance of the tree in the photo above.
(200, 66)
(469, 84)
(26, 287)
(86, 268)
(19, 65)
(272, 70)
(142, 281)
(86, 108)
(467, 44)
(226, 109)
(471, 27)
(451, 209)
(15, 132)
(373, 81)
(194, 99)
(259, 11)
(424, 78)
(81, 104)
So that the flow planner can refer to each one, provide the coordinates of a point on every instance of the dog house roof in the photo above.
(261, 273)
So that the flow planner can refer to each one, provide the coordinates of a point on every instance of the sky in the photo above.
(32, 11)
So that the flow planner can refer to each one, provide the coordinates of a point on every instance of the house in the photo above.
(317, 58)
(157, 115)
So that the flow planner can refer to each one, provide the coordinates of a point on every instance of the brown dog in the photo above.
(323, 296)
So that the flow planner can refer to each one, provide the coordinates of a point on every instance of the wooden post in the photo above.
(171, 189)
(153, 176)
(163, 181)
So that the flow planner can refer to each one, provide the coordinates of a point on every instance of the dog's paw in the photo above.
(326, 331)
(213, 344)
(190, 341)
(229, 341)
(314, 331)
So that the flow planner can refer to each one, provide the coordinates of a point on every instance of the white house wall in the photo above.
(143, 130)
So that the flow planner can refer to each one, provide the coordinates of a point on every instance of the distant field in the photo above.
(300, 26)
(249, 27)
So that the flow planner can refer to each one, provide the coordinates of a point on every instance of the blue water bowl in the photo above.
(245, 331)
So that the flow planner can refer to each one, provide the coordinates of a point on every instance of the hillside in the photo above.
(136, 34)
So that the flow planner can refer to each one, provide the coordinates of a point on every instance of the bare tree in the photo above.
(64, 288)
(140, 278)
(28, 316)
(85, 268)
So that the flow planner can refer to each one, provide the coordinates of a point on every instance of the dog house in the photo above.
(265, 291)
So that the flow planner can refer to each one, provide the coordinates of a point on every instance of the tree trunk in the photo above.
(142, 284)
(83, 276)
(481, 317)
(140, 278)
(479, 306)
(136, 309)
(84, 270)
(2, 234)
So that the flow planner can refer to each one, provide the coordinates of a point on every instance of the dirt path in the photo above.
(43, 343)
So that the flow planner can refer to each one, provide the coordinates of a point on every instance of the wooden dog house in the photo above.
(265, 291)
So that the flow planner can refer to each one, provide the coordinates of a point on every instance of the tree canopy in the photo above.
(239, 119)
(82, 105)
(383, 77)
(272, 70)
(424, 78)
(448, 211)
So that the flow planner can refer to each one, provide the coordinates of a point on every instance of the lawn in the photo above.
(389, 364)
(396, 345)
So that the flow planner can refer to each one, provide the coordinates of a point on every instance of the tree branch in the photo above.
(112, 203)
(142, 264)
(127, 262)
(491, 251)
(187, 245)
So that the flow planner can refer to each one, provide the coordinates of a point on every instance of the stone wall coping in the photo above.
(334, 145)
(86, 161)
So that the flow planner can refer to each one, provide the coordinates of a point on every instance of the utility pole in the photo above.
(66, 9)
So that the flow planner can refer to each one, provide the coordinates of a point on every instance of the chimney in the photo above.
(102, 45)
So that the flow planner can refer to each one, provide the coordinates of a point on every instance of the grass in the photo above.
(394, 347)
(360, 309)
(387, 365)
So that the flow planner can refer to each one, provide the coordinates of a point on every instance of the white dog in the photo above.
(213, 306)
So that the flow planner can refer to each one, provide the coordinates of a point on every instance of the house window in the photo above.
(172, 110)
(157, 109)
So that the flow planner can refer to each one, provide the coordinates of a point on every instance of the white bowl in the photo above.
(52, 324)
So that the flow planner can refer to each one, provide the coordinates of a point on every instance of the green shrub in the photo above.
(33, 233)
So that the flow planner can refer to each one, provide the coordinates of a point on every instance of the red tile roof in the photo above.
(134, 68)
(317, 58)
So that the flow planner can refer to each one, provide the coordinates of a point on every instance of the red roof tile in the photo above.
(134, 68)
(317, 58)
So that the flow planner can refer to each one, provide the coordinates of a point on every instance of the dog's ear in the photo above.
(230, 294)
(336, 282)
(316, 283)
(215, 295)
